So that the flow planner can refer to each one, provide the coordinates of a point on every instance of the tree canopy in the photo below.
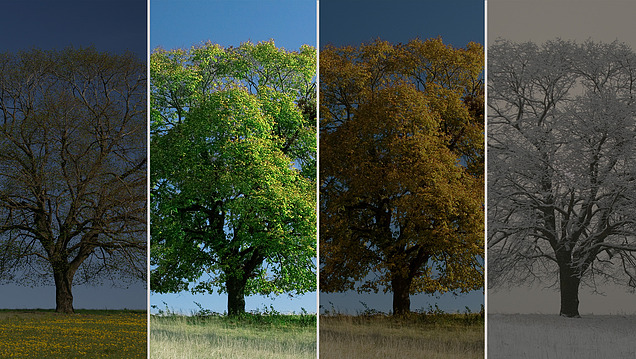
(72, 168)
(233, 162)
(401, 168)
(561, 145)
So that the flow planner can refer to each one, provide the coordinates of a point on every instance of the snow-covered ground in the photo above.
(539, 336)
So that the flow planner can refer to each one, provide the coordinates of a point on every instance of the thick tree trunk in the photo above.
(569, 285)
(401, 288)
(235, 295)
(63, 290)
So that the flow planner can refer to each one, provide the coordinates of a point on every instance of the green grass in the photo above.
(85, 334)
(415, 336)
(249, 336)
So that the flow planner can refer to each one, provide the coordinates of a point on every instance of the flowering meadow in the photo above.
(87, 334)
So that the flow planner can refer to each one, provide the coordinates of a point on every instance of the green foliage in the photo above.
(265, 318)
(233, 154)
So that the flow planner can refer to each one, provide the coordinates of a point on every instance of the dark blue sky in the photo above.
(114, 26)
(351, 22)
(109, 25)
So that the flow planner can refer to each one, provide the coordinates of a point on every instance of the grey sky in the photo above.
(539, 21)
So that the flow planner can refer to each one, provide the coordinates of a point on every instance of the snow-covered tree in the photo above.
(561, 171)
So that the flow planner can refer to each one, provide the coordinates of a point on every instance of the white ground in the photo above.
(539, 336)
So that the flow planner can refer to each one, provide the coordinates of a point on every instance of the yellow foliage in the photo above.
(401, 167)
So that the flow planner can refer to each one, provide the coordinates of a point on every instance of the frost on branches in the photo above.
(561, 146)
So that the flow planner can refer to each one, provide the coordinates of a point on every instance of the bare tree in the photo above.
(72, 168)
(561, 147)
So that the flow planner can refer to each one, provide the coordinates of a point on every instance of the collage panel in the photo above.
(73, 173)
(561, 265)
(233, 206)
(401, 176)
(226, 181)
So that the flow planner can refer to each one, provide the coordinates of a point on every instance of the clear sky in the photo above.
(109, 25)
(184, 23)
(114, 26)
(578, 20)
(352, 22)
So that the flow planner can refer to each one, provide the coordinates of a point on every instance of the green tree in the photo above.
(233, 168)
(72, 168)
(401, 169)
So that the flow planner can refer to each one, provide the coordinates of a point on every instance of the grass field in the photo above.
(433, 336)
(215, 336)
(86, 334)
(551, 336)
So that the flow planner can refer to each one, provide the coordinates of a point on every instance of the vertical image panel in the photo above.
(73, 170)
(561, 150)
(233, 222)
(401, 179)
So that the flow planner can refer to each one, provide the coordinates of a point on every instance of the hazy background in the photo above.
(352, 22)
(539, 21)
(114, 26)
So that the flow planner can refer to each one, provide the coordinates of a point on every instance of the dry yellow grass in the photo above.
(447, 336)
(98, 334)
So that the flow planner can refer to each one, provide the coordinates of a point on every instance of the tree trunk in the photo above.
(569, 283)
(235, 287)
(401, 288)
(63, 289)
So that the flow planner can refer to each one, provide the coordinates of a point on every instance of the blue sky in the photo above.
(291, 23)
(182, 24)
(120, 25)
(114, 26)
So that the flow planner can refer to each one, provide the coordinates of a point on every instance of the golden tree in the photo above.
(401, 169)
